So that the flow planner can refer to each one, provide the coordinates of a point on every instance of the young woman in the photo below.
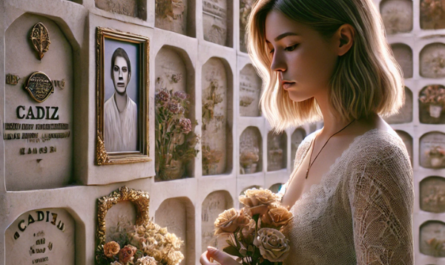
(351, 191)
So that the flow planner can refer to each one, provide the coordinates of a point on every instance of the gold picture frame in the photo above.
(135, 86)
(141, 199)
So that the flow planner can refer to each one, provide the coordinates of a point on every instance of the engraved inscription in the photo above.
(39, 86)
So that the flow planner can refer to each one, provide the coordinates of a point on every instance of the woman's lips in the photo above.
(287, 85)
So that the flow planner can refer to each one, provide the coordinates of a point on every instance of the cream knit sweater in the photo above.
(361, 212)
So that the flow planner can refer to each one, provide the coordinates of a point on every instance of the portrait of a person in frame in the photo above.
(120, 111)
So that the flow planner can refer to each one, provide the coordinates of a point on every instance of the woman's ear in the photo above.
(345, 39)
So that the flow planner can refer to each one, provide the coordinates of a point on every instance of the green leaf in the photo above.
(232, 251)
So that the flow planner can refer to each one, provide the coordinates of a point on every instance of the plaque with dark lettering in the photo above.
(39, 86)
(40, 39)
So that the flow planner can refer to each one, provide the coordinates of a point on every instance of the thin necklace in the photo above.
(313, 143)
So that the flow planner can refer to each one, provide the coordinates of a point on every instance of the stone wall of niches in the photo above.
(50, 173)
(415, 31)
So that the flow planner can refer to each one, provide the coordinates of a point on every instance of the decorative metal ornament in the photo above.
(40, 39)
(12, 79)
(39, 86)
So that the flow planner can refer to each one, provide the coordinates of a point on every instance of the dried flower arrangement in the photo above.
(431, 10)
(436, 196)
(433, 96)
(208, 106)
(437, 245)
(436, 155)
(249, 159)
(175, 143)
(210, 159)
(254, 233)
(246, 101)
(140, 245)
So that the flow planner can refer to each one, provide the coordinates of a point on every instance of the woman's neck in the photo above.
(331, 118)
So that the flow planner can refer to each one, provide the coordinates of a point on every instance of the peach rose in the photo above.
(111, 248)
(257, 200)
(273, 245)
(146, 261)
(277, 216)
(126, 254)
(230, 220)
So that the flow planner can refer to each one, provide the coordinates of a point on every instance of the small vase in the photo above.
(173, 171)
(435, 111)
(436, 162)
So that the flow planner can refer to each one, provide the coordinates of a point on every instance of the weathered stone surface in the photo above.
(172, 15)
(250, 151)
(397, 15)
(276, 151)
(432, 61)
(431, 239)
(43, 236)
(132, 8)
(214, 20)
(432, 194)
(432, 14)
(432, 150)
(249, 92)
(404, 56)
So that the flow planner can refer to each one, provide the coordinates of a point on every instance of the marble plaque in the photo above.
(405, 114)
(214, 204)
(275, 188)
(249, 92)
(432, 14)
(432, 150)
(432, 61)
(431, 104)
(432, 238)
(397, 15)
(38, 139)
(244, 12)
(214, 118)
(44, 236)
(276, 151)
(296, 139)
(432, 194)
(170, 71)
(404, 56)
(122, 213)
(173, 214)
(172, 15)
(250, 151)
(132, 8)
(408, 140)
(214, 19)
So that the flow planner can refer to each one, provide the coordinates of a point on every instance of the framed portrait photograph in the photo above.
(121, 97)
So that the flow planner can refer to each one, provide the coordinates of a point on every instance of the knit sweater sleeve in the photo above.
(380, 193)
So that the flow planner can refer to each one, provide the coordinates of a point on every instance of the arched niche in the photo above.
(244, 13)
(405, 114)
(249, 92)
(275, 188)
(45, 235)
(250, 151)
(432, 150)
(178, 215)
(131, 8)
(297, 137)
(176, 15)
(432, 58)
(174, 72)
(432, 15)
(217, 17)
(244, 190)
(431, 104)
(213, 205)
(276, 151)
(432, 194)
(397, 15)
(39, 159)
(404, 56)
(408, 141)
(432, 238)
(217, 117)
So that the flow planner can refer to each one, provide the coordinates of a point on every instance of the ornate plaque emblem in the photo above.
(39, 86)
(12, 79)
(40, 39)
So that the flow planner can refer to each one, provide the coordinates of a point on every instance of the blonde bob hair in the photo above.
(366, 79)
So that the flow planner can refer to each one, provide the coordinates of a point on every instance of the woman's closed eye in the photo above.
(291, 48)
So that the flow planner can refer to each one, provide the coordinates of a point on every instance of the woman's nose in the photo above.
(278, 64)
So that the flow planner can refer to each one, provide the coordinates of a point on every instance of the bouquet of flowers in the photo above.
(175, 142)
(141, 245)
(254, 233)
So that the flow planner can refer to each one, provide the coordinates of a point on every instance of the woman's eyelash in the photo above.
(291, 48)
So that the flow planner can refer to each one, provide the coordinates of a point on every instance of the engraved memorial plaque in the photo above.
(432, 194)
(432, 61)
(250, 92)
(244, 12)
(38, 123)
(404, 56)
(250, 151)
(405, 114)
(432, 238)
(397, 15)
(214, 204)
(276, 151)
(408, 141)
(131, 8)
(215, 130)
(432, 14)
(432, 150)
(297, 137)
(214, 19)
(172, 15)
(44, 236)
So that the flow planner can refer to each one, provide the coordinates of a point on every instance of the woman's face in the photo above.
(303, 59)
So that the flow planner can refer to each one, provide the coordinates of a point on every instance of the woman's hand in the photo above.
(217, 255)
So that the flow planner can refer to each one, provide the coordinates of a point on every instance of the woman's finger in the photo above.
(220, 257)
